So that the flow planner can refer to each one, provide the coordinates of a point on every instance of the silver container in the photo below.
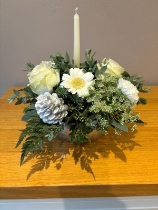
(64, 135)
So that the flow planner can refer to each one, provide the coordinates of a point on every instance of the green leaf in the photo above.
(51, 136)
(11, 99)
(89, 51)
(145, 90)
(105, 61)
(103, 69)
(93, 54)
(29, 114)
(30, 65)
(139, 121)
(72, 134)
(94, 68)
(51, 58)
(86, 63)
(32, 106)
(16, 93)
(142, 101)
(24, 100)
(85, 113)
(22, 136)
(67, 57)
(28, 146)
(41, 144)
(29, 108)
(19, 101)
(119, 126)
(125, 74)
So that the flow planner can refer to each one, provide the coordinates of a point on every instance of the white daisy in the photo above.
(78, 82)
(129, 90)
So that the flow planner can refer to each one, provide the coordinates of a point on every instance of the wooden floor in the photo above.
(125, 165)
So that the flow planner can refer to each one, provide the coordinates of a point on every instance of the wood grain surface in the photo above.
(125, 165)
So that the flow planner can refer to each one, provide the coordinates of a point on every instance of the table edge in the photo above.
(78, 191)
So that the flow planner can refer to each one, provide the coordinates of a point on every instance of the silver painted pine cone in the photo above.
(50, 108)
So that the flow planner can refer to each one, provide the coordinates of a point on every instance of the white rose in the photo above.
(43, 78)
(113, 67)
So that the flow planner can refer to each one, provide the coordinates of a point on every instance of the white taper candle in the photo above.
(76, 39)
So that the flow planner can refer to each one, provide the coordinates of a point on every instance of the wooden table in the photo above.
(125, 165)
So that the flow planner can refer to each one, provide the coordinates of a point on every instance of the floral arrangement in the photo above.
(95, 96)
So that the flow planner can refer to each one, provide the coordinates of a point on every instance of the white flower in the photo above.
(43, 78)
(78, 82)
(129, 90)
(113, 67)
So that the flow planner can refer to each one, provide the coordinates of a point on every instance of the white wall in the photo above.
(32, 30)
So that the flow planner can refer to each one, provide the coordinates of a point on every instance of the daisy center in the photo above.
(78, 83)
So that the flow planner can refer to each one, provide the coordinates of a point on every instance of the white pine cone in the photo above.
(50, 108)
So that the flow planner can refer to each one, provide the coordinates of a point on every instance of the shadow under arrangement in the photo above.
(57, 150)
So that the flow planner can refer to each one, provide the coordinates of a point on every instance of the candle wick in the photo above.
(76, 10)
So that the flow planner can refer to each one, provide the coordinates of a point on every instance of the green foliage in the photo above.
(27, 97)
(90, 65)
(34, 135)
(30, 66)
(61, 63)
(61, 92)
